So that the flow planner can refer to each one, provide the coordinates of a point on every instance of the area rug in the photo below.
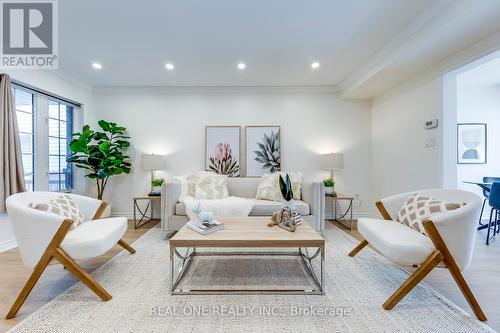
(355, 290)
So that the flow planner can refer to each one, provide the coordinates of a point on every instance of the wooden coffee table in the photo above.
(248, 232)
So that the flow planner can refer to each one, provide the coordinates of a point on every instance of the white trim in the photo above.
(355, 216)
(8, 245)
(392, 50)
(128, 215)
(486, 47)
(215, 89)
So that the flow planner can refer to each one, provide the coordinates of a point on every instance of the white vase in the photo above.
(328, 190)
(157, 189)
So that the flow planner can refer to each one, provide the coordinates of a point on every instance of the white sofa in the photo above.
(310, 205)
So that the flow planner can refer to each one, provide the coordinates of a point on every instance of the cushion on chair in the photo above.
(62, 205)
(397, 242)
(260, 208)
(93, 238)
(420, 207)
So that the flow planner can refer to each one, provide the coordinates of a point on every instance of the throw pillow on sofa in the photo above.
(210, 185)
(420, 207)
(188, 184)
(269, 187)
(63, 206)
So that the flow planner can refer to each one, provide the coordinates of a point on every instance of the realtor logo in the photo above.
(29, 34)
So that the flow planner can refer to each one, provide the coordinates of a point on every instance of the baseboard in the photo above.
(356, 216)
(8, 245)
(127, 215)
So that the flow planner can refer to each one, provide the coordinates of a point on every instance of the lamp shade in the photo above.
(332, 161)
(153, 162)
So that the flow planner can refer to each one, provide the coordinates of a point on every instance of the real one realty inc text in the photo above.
(235, 311)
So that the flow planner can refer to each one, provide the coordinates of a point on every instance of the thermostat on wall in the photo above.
(431, 124)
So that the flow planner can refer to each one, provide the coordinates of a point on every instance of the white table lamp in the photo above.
(332, 162)
(153, 162)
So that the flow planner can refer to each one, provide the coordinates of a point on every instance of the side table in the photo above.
(338, 214)
(143, 214)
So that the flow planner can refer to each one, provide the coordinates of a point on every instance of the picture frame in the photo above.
(262, 150)
(223, 150)
(472, 145)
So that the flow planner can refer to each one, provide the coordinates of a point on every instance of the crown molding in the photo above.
(392, 50)
(70, 79)
(215, 89)
(467, 58)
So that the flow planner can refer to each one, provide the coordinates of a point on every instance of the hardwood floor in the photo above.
(54, 281)
(482, 276)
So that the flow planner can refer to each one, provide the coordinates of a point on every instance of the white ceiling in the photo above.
(205, 40)
(364, 46)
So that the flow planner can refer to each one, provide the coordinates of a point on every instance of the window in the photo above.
(60, 122)
(45, 126)
(25, 111)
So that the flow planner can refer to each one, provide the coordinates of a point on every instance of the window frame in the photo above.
(34, 140)
(40, 142)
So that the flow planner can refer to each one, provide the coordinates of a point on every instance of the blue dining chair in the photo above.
(494, 201)
(486, 194)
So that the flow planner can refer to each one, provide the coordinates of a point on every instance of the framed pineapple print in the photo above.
(263, 150)
(222, 150)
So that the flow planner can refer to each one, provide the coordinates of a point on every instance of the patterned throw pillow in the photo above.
(269, 187)
(63, 206)
(210, 185)
(421, 207)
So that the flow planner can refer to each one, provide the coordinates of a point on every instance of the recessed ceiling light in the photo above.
(315, 65)
(169, 66)
(242, 66)
(96, 65)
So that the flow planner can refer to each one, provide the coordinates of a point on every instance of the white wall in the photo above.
(55, 84)
(173, 123)
(480, 104)
(400, 161)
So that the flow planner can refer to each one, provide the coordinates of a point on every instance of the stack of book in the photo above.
(206, 228)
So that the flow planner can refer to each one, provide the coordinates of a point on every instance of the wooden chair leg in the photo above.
(88, 280)
(432, 261)
(35, 275)
(127, 247)
(40, 267)
(454, 269)
(358, 248)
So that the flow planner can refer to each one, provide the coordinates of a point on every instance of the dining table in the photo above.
(486, 187)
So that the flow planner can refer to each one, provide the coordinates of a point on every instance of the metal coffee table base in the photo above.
(188, 256)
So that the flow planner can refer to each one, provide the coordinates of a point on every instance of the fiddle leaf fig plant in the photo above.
(101, 153)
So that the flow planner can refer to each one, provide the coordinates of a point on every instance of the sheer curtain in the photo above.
(11, 165)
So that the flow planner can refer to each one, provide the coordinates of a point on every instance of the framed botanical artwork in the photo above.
(263, 150)
(471, 143)
(222, 150)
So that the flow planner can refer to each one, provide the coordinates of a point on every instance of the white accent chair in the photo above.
(43, 237)
(450, 241)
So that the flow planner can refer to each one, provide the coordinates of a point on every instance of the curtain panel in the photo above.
(11, 163)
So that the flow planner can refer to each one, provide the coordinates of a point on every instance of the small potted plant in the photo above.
(329, 185)
(156, 184)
